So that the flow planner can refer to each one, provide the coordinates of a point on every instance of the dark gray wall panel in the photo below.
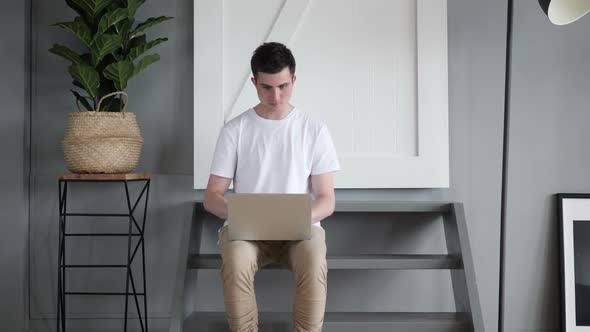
(548, 154)
(13, 164)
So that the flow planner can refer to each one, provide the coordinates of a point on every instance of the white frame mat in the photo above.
(571, 207)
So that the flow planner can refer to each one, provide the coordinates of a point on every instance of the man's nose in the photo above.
(276, 94)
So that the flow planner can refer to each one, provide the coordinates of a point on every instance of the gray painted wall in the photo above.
(162, 101)
(13, 167)
(549, 153)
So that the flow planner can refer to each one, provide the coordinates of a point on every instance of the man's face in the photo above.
(274, 90)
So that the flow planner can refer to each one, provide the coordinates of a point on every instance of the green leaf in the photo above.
(82, 12)
(87, 76)
(78, 84)
(137, 41)
(106, 87)
(92, 7)
(76, 8)
(103, 45)
(119, 72)
(144, 62)
(79, 28)
(112, 18)
(135, 52)
(132, 6)
(83, 101)
(86, 57)
(124, 25)
(66, 53)
(116, 4)
(150, 22)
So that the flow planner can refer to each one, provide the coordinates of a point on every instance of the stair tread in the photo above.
(345, 321)
(350, 317)
(345, 262)
(383, 206)
(389, 206)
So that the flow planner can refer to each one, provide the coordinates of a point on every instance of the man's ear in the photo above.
(253, 79)
(294, 78)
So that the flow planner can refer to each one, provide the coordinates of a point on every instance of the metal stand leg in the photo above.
(61, 278)
(130, 256)
(145, 205)
(61, 270)
(58, 317)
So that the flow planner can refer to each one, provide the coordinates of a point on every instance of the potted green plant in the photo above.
(103, 137)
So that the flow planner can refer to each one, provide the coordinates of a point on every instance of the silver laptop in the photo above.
(269, 216)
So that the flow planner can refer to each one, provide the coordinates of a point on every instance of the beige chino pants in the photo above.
(241, 260)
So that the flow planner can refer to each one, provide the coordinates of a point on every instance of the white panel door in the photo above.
(375, 71)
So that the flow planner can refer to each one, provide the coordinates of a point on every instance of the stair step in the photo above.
(381, 206)
(343, 322)
(353, 262)
(389, 206)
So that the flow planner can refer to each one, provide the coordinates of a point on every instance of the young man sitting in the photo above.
(274, 147)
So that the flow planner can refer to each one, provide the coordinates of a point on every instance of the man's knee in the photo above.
(239, 260)
(316, 267)
(310, 258)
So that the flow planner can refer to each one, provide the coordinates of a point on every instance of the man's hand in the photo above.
(322, 186)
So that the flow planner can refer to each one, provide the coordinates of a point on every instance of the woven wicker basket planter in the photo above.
(102, 142)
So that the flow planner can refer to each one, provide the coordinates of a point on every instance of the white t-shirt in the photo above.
(274, 156)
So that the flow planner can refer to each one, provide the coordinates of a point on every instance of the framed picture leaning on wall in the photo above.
(574, 230)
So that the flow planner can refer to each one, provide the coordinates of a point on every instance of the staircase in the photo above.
(458, 261)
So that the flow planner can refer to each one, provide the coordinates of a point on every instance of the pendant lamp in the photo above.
(561, 12)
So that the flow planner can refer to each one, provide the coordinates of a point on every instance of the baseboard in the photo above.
(100, 325)
(98, 315)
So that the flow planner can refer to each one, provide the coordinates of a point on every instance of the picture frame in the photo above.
(574, 237)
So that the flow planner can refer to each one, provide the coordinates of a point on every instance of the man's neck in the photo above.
(273, 114)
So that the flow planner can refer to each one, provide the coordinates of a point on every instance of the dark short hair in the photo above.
(271, 58)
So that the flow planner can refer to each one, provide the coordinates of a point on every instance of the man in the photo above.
(274, 147)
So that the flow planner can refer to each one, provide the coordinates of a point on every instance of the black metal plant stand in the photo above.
(135, 231)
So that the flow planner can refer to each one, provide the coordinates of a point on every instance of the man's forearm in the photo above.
(216, 204)
(322, 207)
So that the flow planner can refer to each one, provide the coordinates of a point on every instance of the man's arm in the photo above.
(325, 199)
(214, 202)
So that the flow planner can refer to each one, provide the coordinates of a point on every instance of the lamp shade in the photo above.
(561, 12)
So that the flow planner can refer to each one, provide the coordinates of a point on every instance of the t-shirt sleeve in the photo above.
(225, 155)
(324, 158)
